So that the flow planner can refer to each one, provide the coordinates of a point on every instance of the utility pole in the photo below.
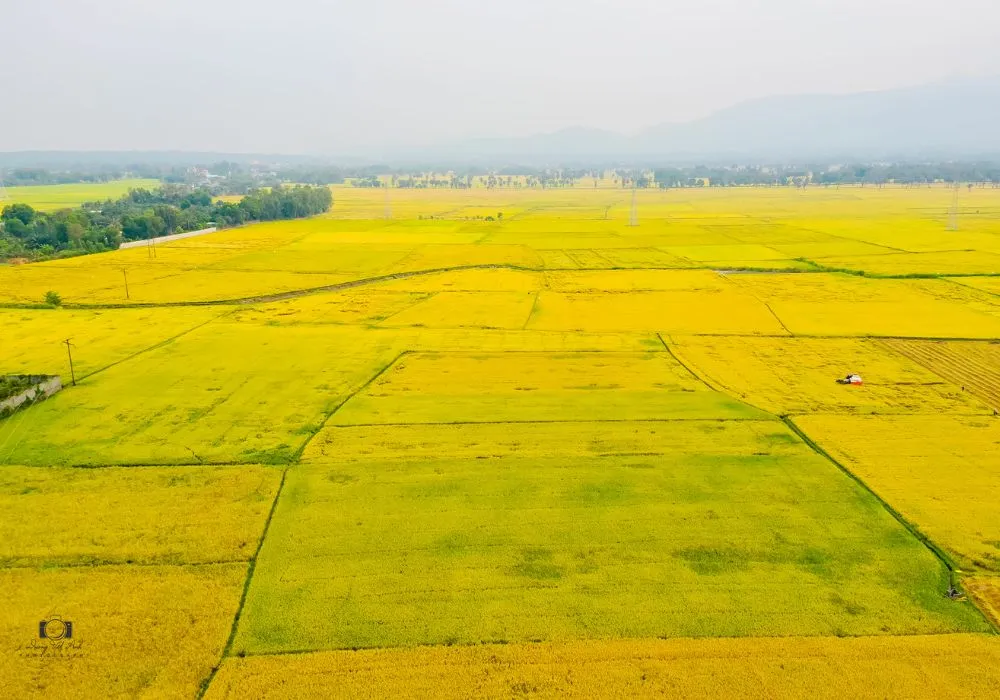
(69, 351)
(125, 274)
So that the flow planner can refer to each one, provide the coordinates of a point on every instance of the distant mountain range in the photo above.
(953, 119)
(956, 119)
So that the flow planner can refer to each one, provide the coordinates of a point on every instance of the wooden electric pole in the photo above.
(69, 351)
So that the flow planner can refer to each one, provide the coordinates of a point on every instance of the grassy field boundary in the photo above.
(953, 570)
(155, 346)
(305, 443)
(678, 360)
(251, 567)
(365, 281)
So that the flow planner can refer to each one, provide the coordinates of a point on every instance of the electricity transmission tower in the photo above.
(633, 219)
(953, 213)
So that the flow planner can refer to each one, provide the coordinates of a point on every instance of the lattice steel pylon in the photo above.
(953, 212)
(633, 219)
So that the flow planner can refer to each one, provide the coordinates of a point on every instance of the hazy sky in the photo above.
(339, 77)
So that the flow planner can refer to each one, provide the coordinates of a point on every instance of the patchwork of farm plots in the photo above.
(547, 454)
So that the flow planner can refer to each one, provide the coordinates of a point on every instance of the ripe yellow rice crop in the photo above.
(972, 366)
(953, 666)
(499, 446)
(137, 630)
(522, 387)
(968, 262)
(988, 284)
(985, 590)
(797, 375)
(420, 442)
(488, 280)
(144, 515)
(472, 309)
(195, 400)
(681, 312)
(31, 340)
(365, 306)
(942, 472)
(844, 305)
(504, 545)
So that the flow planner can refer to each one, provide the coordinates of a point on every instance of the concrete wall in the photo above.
(45, 388)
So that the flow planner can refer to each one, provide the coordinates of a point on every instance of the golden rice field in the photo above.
(550, 455)
(941, 472)
(953, 666)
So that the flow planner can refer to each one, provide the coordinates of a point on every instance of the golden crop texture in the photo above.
(550, 429)
(953, 666)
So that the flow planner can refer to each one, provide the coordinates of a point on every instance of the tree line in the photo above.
(142, 214)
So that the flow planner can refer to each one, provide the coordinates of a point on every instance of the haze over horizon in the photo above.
(311, 77)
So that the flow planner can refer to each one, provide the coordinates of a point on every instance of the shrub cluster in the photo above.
(142, 214)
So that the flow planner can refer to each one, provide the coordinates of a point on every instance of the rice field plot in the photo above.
(150, 515)
(683, 312)
(53, 197)
(635, 281)
(478, 280)
(953, 666)
(941, 472)
(797, 375)
(847, 305)
(485, 340)
(701, 253)
(473, 309)
(985, 590)
(936, 263)
(639, 258)
(319, 253)
(420, 442)
(972, 366)
(831, 247)
(31, 340)
(98, 282)
(436, 257)
(350, 307)
(137, 630)
(986, 284)
(227, 285)
(229, 392)
(451, 387)
(393, 547)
